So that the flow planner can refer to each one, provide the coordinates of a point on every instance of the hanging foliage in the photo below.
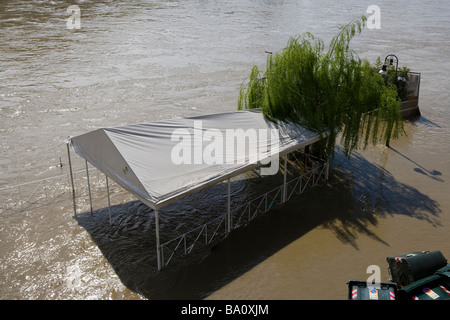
(327, 91)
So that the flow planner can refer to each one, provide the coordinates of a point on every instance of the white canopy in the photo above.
(162, 161)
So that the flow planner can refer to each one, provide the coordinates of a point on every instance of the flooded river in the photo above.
(140, 61)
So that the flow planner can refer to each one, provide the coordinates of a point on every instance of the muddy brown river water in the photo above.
(139, 61)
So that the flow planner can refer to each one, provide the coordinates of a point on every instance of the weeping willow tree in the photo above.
(327, 91)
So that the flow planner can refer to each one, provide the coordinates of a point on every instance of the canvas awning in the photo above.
(162, 161)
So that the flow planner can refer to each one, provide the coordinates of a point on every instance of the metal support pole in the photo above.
(109, 202)
(229, 207)
(158, 248)
(89, 186)
(285, 178)
(306, 156)
(71, 179)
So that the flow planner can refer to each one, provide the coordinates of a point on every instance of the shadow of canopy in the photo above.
(357, 195)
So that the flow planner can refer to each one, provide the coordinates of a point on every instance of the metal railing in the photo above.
(35, 194)
(216, 229)
(185, 243)
(44, 192)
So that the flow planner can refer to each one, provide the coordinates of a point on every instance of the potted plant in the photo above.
(407, 84)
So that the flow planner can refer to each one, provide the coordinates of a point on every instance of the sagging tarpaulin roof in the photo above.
(150, 160)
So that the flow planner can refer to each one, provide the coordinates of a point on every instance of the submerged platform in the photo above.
(164, 161)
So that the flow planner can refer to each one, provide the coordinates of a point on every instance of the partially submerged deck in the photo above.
(137, 158)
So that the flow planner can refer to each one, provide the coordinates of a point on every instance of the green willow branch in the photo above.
(326, 91)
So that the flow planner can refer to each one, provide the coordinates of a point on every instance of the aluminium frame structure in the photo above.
(262, 203)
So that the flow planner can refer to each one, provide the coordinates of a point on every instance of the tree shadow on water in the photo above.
(370, 192)
(350, 203)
